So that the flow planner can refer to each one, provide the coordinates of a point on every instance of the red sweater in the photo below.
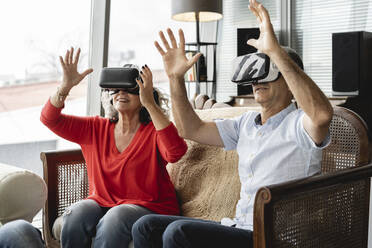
(138, 175)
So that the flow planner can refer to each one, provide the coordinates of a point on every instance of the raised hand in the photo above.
(146, 88)
(71, 76)
(175, 62)
(267, 41)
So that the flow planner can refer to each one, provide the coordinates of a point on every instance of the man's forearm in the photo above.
(185, 117)
(307, 94)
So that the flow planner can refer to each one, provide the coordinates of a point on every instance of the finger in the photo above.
(254, 4)
(148, 71)
(62, 63)
(143, 73)
(255, 12)
(252, 42)
(71, 55)
(86, 72)
(140, 84)
(172, 38)
(164, 40)
(66, 56)
(194, 59)
(160, 50)
(182, 39)
(264, 13)
(76, 60)
(258, 7)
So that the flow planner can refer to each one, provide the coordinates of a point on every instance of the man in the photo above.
(278, 144)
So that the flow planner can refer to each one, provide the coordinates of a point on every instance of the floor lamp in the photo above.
(197, 11)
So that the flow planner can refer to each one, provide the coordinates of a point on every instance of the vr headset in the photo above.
(114, 79)
(254, 68)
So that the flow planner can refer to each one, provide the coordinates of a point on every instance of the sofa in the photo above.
(327, 210)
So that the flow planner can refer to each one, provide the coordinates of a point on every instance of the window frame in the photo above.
(98, 52)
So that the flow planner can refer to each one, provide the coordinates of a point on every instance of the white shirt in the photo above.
(278, 151)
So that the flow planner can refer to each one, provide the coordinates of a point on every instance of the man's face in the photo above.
(272, 93)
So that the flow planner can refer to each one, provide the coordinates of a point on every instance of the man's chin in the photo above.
(259, 99)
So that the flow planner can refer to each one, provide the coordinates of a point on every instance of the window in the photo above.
(237, 15)
(314, 21)
(133, 29)
(34, 34)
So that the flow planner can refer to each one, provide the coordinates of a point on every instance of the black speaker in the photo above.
(351, 63)
(244, 34)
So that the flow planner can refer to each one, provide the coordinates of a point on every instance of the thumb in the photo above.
(86, 72)
(194, 59)
(252, 42)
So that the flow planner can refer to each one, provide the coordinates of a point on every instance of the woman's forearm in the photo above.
(158, 117)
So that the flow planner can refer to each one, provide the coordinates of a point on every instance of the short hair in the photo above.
(294, 56)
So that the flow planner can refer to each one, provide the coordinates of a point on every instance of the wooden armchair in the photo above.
(329, 210)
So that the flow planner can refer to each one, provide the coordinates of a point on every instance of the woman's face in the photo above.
(126, 102)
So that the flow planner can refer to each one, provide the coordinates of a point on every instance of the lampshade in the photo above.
(184, 10)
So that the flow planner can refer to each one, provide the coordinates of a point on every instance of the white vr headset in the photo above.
(254, 68)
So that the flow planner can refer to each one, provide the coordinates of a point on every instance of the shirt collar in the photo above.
(277, 118)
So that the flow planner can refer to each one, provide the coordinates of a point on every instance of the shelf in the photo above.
(205, 67)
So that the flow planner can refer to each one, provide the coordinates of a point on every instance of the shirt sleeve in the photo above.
(304, 139)
(73, 128)
(171, 146)
(229, 130)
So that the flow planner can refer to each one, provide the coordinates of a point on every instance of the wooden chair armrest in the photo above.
(53, 162)
(329, 210)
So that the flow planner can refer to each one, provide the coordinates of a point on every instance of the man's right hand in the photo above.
(175, 62)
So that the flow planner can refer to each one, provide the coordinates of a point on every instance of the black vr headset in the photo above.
(258, 67)
(114, 79)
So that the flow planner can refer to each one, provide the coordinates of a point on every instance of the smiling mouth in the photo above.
(123, 100)
(260, 88)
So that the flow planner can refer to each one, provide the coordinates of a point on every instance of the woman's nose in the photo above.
(123, 92)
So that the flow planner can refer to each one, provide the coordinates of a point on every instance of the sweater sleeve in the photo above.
(73, 128)
(171, 146)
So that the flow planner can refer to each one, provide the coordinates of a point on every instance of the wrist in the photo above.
(62, 94)
(176, 78)
(64, 90)
(151, 106)
(276, 52)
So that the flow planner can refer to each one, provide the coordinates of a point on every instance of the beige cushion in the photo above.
(206, 178)
(22, 193)
(200, 100)
(209, 103)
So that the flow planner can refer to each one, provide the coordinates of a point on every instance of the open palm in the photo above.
(175, 62)
(71, 76)
(267, 40)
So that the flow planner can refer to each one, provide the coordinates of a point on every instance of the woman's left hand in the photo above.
(146, 87)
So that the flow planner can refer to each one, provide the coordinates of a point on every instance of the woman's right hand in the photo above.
(71, 76)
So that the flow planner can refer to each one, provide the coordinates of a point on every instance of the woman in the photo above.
(125, 159)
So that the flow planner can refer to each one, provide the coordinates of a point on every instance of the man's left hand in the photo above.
(267, 41)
